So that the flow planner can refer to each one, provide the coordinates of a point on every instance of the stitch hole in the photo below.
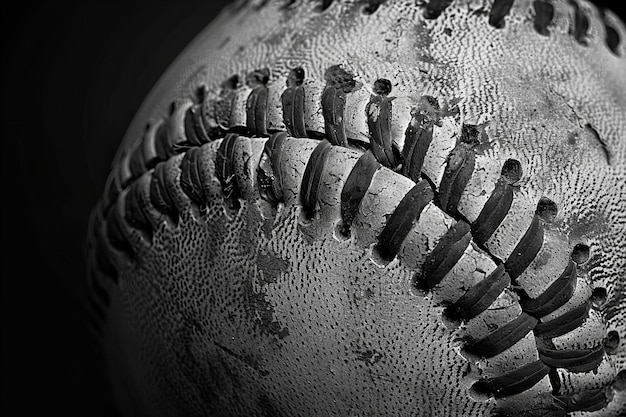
(382, 86)
(499, 10)
(598, 296)
(580, 26)
(611, 344)
(258, 77)
(620, 381)
(200, 93)
(325, 4)
(340, 79)
(451, 321)
(342, 233)
(547, 209)
(479, 392)
(471, 134)
(372, 6)
(381, 256)
(612, 38)
(295, 77)
(370, 9)
(419, 284)
(512, 170)
(418, 291)
(306, 218)
(434, 8)
(544, 13)
(580, 253)
(231, 207)
(231, 83)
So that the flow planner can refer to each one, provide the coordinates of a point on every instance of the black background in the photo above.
(73, 75)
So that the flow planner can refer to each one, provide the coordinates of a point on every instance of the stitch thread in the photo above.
(157, 145)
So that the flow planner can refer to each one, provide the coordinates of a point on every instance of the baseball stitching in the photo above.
(263, 118)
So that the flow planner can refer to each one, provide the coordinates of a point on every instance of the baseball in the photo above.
(373, 208)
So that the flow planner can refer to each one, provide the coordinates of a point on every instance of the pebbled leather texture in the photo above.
(373, 208)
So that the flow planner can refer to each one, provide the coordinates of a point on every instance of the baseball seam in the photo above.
(193, 125)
